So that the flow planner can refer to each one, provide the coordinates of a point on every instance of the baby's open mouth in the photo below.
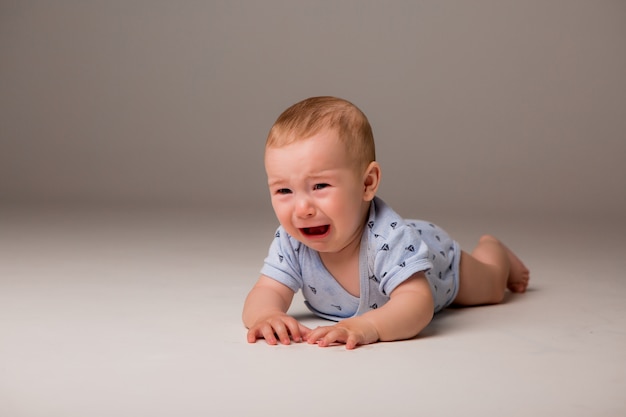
(315, 231)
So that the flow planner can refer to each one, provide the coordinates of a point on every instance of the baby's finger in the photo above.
(352, 342)
(266, 331)
(336, 335)
(281, 331)
(316, 334)
(252, 335)
(259, 332)
(325, 336)
(304, 331)
(294, 329)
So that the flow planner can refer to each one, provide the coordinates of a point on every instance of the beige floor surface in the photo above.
(137, 313)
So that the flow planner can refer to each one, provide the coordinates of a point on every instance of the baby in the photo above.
(356, 261)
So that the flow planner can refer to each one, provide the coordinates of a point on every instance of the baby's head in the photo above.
(316, 114)
(322, 173)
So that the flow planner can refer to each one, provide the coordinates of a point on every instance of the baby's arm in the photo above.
(408, 311)
(265, 314)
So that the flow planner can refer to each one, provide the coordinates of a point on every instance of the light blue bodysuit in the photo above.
(392, 250)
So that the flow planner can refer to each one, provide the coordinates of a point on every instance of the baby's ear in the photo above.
(371, 181)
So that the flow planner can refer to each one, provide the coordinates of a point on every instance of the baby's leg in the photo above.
(488, 271)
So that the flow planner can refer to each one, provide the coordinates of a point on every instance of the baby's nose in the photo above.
(305, 207)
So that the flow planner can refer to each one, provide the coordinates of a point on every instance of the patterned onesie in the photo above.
(392, 250)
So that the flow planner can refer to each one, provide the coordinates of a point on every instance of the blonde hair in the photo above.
(312, 115)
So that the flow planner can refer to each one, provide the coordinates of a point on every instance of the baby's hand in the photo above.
(276, 328)
(351, 332)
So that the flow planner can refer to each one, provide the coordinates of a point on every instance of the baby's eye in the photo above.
(283, 191)
(320, 186)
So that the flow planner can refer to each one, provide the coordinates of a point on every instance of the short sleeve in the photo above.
(398, 257)
(282, 262)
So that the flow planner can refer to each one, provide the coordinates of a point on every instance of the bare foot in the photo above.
(519, 275)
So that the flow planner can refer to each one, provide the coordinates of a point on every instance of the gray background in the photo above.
(477, 107)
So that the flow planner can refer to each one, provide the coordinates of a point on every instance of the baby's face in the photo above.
(317, 192)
